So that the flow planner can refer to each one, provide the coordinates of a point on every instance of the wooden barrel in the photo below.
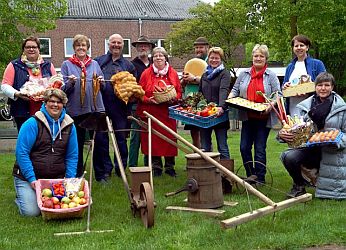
(208, 177)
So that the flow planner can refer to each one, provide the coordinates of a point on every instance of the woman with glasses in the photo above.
(256, 126)
(152, 78)
(215, 85)
(46, 149)
(78, 72)
(29, 66)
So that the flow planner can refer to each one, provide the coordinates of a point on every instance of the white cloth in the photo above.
(9, 91)
(299, 70)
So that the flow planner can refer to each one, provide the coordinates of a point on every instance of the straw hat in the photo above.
(143, 39)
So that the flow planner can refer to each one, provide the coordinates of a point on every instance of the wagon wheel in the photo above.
(241, 173)
(147, 209)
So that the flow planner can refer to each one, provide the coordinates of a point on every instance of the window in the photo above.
(68, 45)
(161, 43)
(45, 47)
(126, 49)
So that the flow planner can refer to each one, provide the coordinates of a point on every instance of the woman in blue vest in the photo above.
(30, 65)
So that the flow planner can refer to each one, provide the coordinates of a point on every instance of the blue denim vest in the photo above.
(20, 108)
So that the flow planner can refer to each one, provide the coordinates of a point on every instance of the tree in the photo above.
(224, 25)
(19, 18)
(323, 21)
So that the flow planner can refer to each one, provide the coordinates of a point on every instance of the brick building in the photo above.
(98, 19)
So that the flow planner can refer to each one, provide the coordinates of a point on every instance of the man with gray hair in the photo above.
(116, 109)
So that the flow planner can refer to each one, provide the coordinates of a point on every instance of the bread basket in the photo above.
(166, 95)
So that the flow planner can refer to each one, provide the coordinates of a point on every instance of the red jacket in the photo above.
(148, 80)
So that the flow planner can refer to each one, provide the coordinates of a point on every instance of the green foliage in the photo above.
(315, 223)
(20, 18)
(224, 25)
(323, 21)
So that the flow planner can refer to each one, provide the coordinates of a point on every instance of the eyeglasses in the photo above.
(54, 102)
(30, 47)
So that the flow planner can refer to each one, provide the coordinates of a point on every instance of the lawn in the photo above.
(315, 223)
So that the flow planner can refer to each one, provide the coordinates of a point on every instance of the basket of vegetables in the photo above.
(164, 92)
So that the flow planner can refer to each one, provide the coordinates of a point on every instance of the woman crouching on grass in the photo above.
(328, 111)
(46, 148)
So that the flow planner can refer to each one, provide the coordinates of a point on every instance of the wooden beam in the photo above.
(237, 220)
(224, 170)
(212, 212)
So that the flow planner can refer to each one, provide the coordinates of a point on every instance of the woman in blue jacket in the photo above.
(46, 149)
(302, 64)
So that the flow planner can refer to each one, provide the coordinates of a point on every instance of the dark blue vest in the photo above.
(20, 108)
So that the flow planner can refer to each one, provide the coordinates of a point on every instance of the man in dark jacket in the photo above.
(116, 109)
(141, 62)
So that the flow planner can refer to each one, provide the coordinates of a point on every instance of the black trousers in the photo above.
(293, 159)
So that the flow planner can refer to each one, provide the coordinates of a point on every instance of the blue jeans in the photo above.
(135, 142)
(221, 139)
(101, 159)
(26, 198)
(254, 133)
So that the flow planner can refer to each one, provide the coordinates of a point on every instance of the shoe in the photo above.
(171, 172)
(117, 172)
(157, 172)
(296, 191)
(252, 179)
(108, 176)
(103, 181)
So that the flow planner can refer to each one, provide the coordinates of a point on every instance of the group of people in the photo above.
(55, 128)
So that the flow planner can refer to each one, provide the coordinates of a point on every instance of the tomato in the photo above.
(205, 112)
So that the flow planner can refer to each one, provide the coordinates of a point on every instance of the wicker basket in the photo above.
(302, 134)
(164, 96)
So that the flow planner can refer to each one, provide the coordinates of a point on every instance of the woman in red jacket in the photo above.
(160, 71)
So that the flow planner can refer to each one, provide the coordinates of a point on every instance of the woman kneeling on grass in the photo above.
(328, 111)
(46, 148)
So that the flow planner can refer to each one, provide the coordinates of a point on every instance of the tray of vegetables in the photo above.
(196, 111)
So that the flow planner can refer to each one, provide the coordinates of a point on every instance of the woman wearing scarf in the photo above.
(78, 74)
(215, 86)
(153, 76)
(328, 111)
(29, 66)
(256, 126)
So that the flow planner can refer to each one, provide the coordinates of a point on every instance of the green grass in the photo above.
(318, 222)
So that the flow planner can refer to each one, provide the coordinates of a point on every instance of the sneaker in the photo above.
(117, 172)
(296, 191)
(171, 172)
(252, 179)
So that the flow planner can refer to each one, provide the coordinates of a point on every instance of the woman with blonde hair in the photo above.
(215, 85)
(256, 126)
(78, 73)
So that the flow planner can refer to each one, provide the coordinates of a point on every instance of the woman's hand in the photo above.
(269, 108)
(220, 111)
(152, 100)
(22, 96)
(33, 185)
(286, 135)
(72, 79)
(286, 85)
(230, 96)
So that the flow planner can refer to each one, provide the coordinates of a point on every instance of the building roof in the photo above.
(130, 9)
